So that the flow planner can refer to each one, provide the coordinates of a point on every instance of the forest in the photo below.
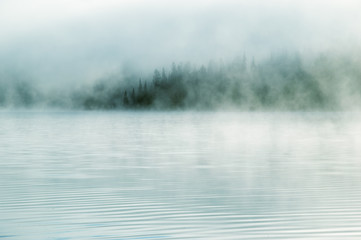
(279, 82)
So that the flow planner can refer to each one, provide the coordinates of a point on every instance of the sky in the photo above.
(81, 40)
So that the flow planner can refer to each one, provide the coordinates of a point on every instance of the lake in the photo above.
(179, 175)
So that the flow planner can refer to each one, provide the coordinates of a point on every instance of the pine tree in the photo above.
(156, 78)
(140, 87)
(125, 98)
(132, 96)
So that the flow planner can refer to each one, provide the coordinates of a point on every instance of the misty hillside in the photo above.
(280, 82)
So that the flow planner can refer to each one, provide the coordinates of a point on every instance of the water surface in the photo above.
(179, 175)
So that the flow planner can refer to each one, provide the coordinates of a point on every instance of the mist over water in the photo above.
(203, 119)
(127, 175)
(283, 81)
(68, 43)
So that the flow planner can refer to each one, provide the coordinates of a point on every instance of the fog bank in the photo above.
(282, 82)
(65, 42)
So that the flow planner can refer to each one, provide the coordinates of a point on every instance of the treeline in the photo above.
(18, 93)
(282, 82)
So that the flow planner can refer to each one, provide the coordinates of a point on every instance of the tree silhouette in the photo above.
(132, 97)
(125, 99)
(140, 87)
(156, 78)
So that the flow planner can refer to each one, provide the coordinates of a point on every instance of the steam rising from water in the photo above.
(68, 44)
(281, 82)
(179, 175)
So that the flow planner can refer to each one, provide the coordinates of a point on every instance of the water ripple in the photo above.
(179, 176)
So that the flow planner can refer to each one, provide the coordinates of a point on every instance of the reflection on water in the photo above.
(142, 175)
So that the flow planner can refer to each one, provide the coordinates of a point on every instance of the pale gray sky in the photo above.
(68, 40)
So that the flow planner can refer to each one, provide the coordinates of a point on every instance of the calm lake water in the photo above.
(179, 175)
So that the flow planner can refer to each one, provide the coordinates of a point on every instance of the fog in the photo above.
(68, 44)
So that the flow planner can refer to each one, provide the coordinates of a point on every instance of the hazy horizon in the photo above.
(75, 41)
(203, 119)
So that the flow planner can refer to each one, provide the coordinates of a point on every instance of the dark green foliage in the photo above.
(125, 99)
(18, 93)
(104, 96)
(280, 82)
